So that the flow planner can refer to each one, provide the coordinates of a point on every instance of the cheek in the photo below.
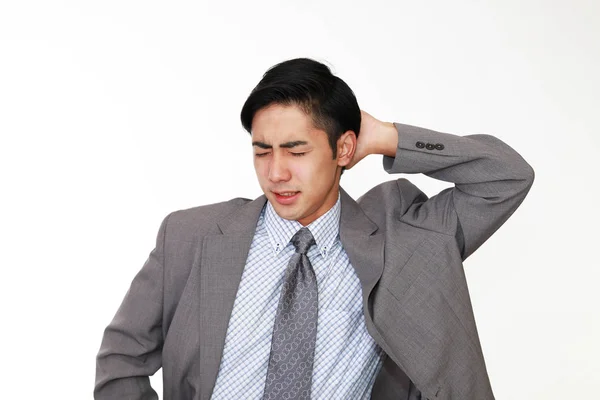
(312, 175)
(304, 173)
(300, 174)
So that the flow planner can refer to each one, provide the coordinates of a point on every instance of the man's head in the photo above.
(304, 122)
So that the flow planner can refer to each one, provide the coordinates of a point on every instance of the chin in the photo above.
(286, 212)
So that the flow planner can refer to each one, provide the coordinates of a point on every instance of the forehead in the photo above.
(278, 123)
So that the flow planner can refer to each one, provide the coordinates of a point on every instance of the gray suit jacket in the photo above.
(407, 251)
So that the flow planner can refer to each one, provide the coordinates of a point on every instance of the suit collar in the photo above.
(362, 242)
(244, 219)
(353, 219)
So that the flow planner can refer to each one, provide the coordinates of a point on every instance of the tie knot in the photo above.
(302, 240)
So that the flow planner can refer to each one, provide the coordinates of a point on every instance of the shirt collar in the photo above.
(324, 229)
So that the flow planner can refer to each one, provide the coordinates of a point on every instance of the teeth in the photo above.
(287, 194)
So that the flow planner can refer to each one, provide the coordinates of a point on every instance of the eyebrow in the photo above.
(286, 145)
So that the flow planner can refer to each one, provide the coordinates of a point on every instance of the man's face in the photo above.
(294, 163)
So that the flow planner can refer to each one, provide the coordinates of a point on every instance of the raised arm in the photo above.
(490, 178)
(131, 347)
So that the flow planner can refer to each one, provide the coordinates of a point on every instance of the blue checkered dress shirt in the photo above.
(347, 359)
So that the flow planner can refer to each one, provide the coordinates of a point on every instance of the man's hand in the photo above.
(375, 137)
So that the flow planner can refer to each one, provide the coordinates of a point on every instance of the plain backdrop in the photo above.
(115, 113)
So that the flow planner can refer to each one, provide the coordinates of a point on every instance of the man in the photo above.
(304, 292)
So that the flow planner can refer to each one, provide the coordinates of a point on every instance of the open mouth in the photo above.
(286, 197)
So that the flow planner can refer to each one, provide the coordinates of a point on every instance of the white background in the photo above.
(115, 113)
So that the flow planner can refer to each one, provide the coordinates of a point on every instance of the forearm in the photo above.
(386, 140)
(452, 158)
(491, 179)
(127, 357)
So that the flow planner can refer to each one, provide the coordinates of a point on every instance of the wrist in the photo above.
(388, 139)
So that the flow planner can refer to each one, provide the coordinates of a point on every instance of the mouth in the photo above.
(286, 198)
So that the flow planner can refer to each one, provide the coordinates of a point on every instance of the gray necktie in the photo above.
(295, 331)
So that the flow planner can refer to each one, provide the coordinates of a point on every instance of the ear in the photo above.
(346, 147)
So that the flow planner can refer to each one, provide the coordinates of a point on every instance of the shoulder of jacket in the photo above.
(200, 220)
(392, 196)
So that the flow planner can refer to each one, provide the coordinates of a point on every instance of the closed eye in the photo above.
(298, 154)
(261, 154)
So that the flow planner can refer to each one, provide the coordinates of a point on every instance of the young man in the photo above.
(305, 293)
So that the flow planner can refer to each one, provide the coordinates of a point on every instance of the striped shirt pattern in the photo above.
(347, 359)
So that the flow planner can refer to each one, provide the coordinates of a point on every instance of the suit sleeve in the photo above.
(490, 182)
(132, 343)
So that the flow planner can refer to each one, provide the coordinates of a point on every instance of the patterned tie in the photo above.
(295, 331)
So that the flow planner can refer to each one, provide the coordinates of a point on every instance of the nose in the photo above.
(278, 171)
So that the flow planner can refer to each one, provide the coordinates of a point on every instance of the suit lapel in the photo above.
(223, 260)
(364, 245)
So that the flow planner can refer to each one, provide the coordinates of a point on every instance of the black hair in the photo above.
(311, 86)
